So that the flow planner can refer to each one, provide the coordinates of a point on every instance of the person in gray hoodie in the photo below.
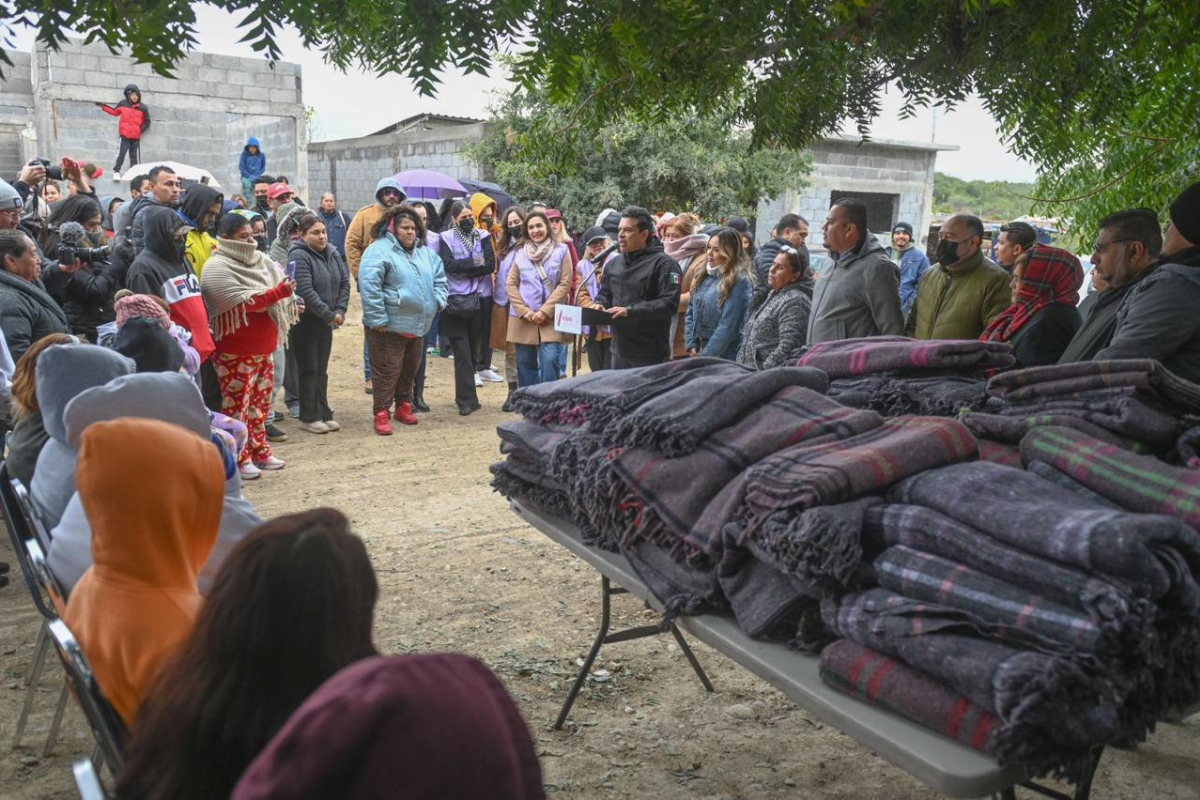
(859, 295)
(63, 372)
(170, 397)
(1158, 318)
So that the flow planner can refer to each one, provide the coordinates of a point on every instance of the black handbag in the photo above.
(463, 305)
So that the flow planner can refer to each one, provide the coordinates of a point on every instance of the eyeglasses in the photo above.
(1099, 247)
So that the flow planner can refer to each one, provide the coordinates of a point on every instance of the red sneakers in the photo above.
(404, 414)
(382, 426)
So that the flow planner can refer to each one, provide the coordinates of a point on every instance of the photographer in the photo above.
(84, 279)
(27, 312)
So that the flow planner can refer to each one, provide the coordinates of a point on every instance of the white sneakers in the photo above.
(478, 380)
(117, 177)
(249, 472)
(271, 463)
(314, 427)
(490, 376)
(332, 425)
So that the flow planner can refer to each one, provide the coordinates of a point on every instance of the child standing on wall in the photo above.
(135, 119)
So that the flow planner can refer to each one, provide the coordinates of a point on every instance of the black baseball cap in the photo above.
(593, 233)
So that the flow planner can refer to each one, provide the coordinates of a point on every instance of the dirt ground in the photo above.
(459, 571)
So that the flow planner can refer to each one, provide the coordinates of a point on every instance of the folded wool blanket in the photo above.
(596, 492)
(1155, 556)
(805, 476)
(537, 442)
(1106, 603)
(822, 547)
(599, 397)
(941, 396)
(1071, 379)
(676, 421)
(507, 482)
(766, 603)
(1115, 410)
(1052, 710)
(1187, 449)
(893, 685)
(1012, 429)
(674, 492)
(998, 452)
(1047, 472)
(1005, 612)
(1138, 483)
(874, 354)
(682, 588)
(856, 392)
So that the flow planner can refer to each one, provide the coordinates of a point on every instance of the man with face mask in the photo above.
(388, 193)
(961, 294)
(1158, 319)
(262, 186)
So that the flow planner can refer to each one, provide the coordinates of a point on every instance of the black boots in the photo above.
(419, 405)
(508, 406)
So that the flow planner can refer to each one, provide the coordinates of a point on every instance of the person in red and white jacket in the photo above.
(135, 119)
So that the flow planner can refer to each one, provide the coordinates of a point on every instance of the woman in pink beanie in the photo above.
(131, 305)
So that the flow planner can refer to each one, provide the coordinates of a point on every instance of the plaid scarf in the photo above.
(235, 274)
(1157, 557)
(1138, 483)
(887, 683)
(1052, 277)
(851, 357)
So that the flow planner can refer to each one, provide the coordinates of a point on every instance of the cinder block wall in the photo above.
(201, 117)
(16, 111)
(351, 168)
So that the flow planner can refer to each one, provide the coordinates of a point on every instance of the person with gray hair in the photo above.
(336, 221)
(961, 294)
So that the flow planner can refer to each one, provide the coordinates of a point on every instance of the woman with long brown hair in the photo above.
(721, 296)
(539, 280)
(292, 605)
(511, 236)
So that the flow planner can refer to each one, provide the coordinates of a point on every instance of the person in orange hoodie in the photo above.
(138, 601)
(487, 218)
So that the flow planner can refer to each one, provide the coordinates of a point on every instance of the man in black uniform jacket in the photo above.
(640, 289)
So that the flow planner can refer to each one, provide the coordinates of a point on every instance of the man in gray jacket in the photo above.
(1158, 317)
(858, 294)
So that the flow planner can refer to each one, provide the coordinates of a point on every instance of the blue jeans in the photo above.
(561, 361)
(537, 363)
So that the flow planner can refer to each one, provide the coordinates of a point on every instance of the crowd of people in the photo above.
(177, 318)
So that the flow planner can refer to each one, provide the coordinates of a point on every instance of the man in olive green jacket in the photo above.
(960, 295)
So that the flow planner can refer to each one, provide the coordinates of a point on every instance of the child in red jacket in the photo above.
(135, 119)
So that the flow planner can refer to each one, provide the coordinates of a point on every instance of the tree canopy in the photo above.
(991, 200)
(691, 163)
(1100, 94)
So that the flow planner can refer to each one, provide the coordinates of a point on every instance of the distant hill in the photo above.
(991, 200)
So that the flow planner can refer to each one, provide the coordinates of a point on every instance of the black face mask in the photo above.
(486, 222)
(466, 226)
(947, 252)
(261, 242)
(514, 232)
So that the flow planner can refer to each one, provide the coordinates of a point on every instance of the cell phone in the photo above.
(69, 163)
(291, 270)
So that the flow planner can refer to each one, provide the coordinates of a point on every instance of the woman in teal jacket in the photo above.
(403, 285)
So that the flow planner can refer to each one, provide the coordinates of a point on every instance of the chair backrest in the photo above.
(87, 781)
(107, 728)
(32, 515)
(21, 536)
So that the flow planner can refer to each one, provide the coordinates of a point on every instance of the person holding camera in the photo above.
(27, 311)
(80, 274)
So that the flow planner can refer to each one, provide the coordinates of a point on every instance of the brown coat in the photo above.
(358, 235)
(678, 347)
(522, 331)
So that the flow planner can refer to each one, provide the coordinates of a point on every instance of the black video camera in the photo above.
(53, 171)
(82, 255)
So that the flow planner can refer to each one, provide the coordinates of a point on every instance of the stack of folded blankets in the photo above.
(1033, 611)
(895, 375)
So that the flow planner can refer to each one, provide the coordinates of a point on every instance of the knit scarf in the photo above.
(468, 242)
(687, 246)
(1052, 277)
(538, 253)
(235, 274)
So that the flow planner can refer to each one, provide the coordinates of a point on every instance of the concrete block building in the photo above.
(895, 178)
(350, 168)
(201, 117)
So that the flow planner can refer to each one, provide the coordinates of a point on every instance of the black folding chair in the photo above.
(107, 728)
(31, 559)
(87, 781)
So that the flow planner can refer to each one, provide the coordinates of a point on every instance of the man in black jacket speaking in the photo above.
(640, 289)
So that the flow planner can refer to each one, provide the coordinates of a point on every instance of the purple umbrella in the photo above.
(425, 184)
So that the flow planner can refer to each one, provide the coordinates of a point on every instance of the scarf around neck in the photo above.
(239, 273)
(686, 247)
(1052, 277)
(468, 242)
(538, 253)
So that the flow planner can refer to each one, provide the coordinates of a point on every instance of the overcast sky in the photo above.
(357, 104)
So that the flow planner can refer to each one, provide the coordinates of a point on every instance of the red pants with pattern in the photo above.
(246, 384)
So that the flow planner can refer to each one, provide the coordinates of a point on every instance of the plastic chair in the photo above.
(107, 728)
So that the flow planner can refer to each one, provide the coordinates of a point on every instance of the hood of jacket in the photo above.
(130, 89)
(196, 200)
(252, 142)
(105, 218)
(158, 232)
(147, 342)
(66, 370)
(1184, 264)
(159, 538)
(390, 183)
(479, 203)
(169, 397)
